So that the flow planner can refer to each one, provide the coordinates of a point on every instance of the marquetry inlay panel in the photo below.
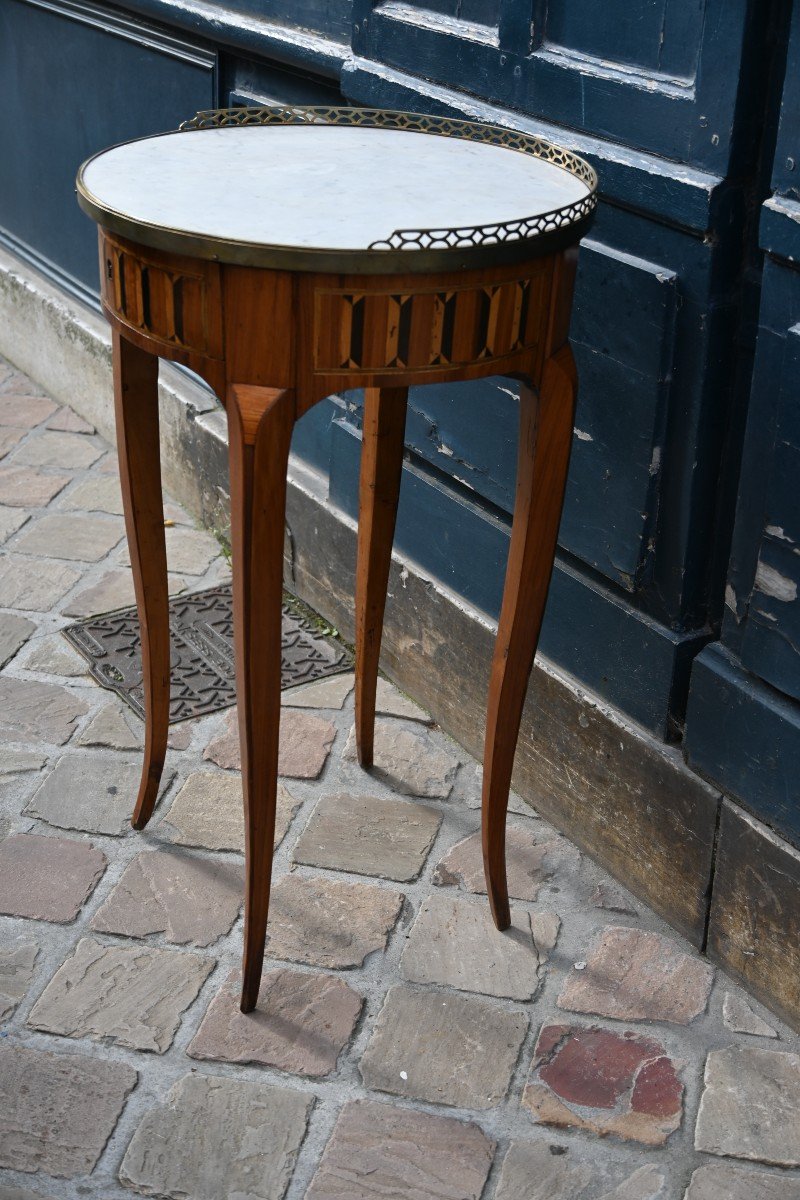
(162, 299)
(402, 331)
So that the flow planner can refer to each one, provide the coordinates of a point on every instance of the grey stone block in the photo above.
(132, 997)
(81, 1097)
(420, 1036)
(214, 1138)
(368, 835)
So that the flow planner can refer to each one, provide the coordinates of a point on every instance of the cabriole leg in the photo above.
(136, 408)
(545, 438)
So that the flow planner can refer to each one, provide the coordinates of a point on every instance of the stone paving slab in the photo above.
(443, 1086)
(635, 975)
(236, 1139)
(370, 835)
(99, 493)
(529, 863)
(129, 997)
(454, 943)
(14, 633)
(54, 656)
(38, 711)
(26, 487)
(721, 1182)
(329, 923)
(750, 1107)
(47, 878)
(741, 1017)
(58, 1111)
(11, 519)
(377, 1150)
(419, 1036)
(69, 422)
(408, 761)
(113, 729)
(17, 962)
(604, 1082)
(87, 539)
(35, 586)
(189, 900)
(25, 410)
(301, 1024)
(51, 449)
(303, 749)
(189, 551)
(91, 793)
(542, 1171)
(207, 812)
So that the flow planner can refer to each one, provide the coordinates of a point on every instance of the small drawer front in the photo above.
(161, 298)
(402, 331)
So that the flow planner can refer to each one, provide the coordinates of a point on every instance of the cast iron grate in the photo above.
(201, 629)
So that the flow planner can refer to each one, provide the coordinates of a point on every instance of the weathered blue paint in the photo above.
(743, 718)
(662, 75)
(745, 737)
(71, 75)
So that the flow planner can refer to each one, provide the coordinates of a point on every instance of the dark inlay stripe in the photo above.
(404, 328)
(177, 308)
(123, 296)
(357, 330)
(448, 324)
(145, 283)
(523, 311)
(481, 348)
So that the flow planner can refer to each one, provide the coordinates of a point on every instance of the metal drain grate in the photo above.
(201, 631)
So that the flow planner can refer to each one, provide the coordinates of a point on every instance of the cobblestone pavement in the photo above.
(401, 1047)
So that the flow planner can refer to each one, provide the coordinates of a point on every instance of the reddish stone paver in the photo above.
(604, 1082)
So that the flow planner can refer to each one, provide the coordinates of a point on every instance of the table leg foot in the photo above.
(379, 488)
(136, 406)
(260, 425)
(546, 424)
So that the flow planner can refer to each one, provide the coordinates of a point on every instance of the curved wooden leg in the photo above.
(546, 425)
(136, 408)
(379, 488)
(260, 422)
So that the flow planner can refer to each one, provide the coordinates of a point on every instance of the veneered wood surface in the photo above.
(379, 489)
(258, 461)
(136, 412)
(545, 440)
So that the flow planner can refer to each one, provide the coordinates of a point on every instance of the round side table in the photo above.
(285, 254)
